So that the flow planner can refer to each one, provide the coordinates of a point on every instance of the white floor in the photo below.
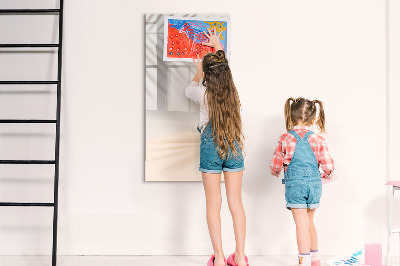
(135, 260)
(143, 260)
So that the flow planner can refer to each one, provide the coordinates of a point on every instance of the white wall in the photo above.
(394, 109)
(328, 50)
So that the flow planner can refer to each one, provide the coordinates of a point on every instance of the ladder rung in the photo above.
(6, 11)
(27, 161)
(27, 121)
(33, 204)
(29, 82)
(33, 45)
(395, 231)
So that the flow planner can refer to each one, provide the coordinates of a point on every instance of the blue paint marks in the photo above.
(194, 29)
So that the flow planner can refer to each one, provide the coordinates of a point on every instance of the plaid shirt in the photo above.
(287, 144)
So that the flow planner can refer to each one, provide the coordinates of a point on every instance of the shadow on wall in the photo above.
(186, 223)
(376, 221)
(375, 213)
(263, 193)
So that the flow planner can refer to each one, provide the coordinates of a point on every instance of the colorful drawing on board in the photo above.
(183, 37)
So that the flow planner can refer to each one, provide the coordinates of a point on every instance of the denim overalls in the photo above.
(211, 162)
(302, 181)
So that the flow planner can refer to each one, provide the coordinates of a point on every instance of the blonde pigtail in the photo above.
(321, 116)
(288, 114)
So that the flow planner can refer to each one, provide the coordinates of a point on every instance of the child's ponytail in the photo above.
(321, 116)
(288, 114)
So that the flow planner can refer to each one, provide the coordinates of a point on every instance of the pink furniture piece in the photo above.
(394, 185)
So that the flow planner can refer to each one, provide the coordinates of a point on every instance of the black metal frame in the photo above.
(56, 160)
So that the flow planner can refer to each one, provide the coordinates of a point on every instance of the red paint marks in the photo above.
(181, 46)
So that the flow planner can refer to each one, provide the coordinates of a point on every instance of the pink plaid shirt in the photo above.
(287, 144)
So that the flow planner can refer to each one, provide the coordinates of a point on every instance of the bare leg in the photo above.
(233, 184)
(212, 188)
(313, 230)
(302, 221)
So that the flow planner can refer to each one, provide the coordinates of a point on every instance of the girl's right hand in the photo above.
(199, 65)
(213, 39)
(199, 73)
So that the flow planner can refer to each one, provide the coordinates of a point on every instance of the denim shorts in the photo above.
(210, 160)
(303, 193)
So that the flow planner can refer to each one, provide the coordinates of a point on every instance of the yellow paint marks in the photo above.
(216, 25)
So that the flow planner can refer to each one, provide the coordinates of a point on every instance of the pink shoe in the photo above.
(211, 261)
(231, 260)
(316, 263)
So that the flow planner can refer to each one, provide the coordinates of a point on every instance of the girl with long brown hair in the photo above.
(221, 147)
(301, 153)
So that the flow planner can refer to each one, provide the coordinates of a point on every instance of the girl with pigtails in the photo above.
(302, 154)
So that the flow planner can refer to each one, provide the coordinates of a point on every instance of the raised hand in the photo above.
(199, 66)
(213, 39)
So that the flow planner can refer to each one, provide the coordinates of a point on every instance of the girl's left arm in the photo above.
(277, 159)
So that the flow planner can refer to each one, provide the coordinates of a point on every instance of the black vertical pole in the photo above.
(57, 144)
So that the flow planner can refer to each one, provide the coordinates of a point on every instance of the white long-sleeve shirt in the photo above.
(196, 92)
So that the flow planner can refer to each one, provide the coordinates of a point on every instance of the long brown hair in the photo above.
(303, 110)
(223, 104)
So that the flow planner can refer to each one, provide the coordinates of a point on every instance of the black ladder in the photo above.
(57, 82)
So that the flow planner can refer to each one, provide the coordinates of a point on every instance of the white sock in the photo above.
(314, 255)
(305, 260)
